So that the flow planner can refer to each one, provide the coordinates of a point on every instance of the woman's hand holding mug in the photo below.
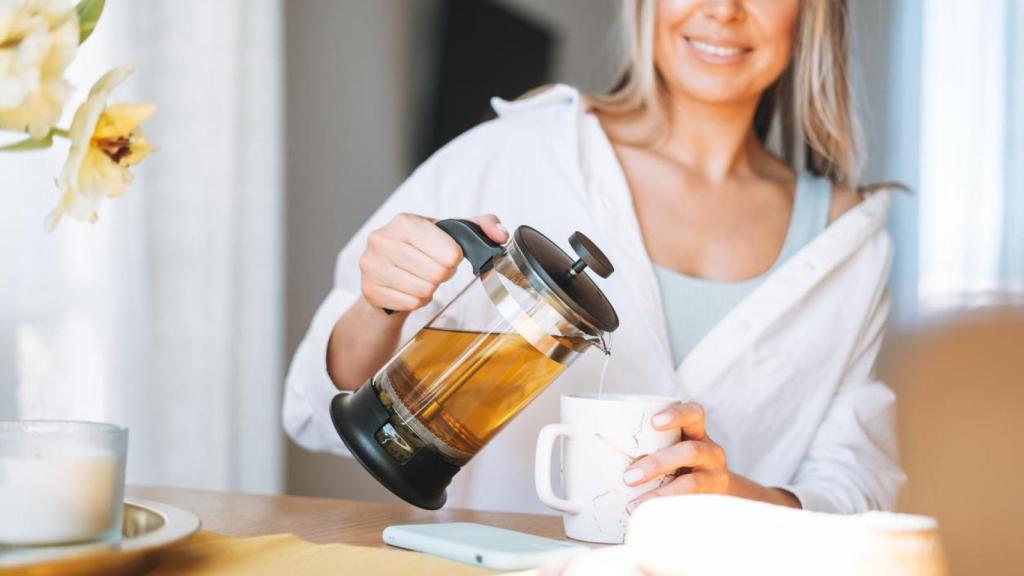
(699, 464)
(406, 260)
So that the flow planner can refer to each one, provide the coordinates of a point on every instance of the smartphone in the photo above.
(479, 545)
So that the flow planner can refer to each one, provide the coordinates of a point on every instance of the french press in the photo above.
(448, 391)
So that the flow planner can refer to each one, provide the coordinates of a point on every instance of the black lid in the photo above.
(566, 278)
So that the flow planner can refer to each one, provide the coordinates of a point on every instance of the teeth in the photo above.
(714, 50)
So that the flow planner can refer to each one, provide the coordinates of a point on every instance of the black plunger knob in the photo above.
(590, 255)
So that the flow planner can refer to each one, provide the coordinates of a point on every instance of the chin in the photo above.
(714, 89)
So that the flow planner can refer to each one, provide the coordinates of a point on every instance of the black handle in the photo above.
(476, 246)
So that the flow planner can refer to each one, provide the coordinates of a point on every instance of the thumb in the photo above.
(491, 226)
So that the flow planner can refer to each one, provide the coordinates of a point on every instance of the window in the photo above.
(971, 216)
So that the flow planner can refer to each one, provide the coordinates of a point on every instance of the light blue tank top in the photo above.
(693, 306)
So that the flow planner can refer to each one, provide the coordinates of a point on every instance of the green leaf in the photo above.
(88, 12)
(29, 144)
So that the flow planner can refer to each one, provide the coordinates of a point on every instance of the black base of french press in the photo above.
(421, 481)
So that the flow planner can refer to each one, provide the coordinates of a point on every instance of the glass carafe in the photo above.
(511, 331)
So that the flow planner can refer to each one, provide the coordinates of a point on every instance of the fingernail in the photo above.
(631, 506)
(633, 475)
(500, 227)
(661, 419)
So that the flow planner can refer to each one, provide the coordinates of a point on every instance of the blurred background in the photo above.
(282, 124)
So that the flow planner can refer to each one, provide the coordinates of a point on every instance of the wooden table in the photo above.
(323, 520)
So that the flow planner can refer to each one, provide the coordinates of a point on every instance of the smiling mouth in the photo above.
(716, 50)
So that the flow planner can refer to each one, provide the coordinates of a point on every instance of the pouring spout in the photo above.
(602, 341)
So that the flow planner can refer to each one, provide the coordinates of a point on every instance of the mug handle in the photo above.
(542, 468)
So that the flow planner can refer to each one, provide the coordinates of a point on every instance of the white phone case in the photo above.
(480, 545)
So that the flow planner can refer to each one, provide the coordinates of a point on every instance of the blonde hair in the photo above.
(808, 110)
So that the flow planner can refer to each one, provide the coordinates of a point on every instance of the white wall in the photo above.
(346, 129)
(886, 61)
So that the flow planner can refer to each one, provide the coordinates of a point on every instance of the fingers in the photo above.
(406, 260)
(689, 417)
(384, 273)
(421, 233)
(416, 262)
(382, 297)
(698, 482)
(702, 460)
(492, 227)
(699, 455)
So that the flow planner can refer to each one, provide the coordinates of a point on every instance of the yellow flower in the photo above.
(38, 39)
(105, 142)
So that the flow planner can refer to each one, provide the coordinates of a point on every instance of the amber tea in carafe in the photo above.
(527, 314)
(462, 387)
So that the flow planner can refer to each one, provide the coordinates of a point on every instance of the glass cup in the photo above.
(60, 482)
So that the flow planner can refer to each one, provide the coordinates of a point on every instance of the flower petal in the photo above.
(120, 119)
(106, 84)
(98, 134)
(99, 177)
(39, 39)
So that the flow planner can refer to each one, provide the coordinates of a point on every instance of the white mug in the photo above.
(604, 435)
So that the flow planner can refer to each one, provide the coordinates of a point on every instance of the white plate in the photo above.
(148, 526)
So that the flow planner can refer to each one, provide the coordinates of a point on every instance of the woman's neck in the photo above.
(714, 141)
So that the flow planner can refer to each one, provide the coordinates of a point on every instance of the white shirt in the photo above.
(786, 378)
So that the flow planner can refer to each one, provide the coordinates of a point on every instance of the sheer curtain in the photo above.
(972, 129)
(166, 315)
(1012, 263)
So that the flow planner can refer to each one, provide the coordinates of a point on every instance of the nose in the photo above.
(724, 11)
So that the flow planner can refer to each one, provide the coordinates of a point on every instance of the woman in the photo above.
(750, 285)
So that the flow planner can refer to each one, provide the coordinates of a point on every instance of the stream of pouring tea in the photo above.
(604, 367)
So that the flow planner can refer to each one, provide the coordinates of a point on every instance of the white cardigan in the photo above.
(786, 378)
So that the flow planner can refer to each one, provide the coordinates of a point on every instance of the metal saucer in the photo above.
(147, 526)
